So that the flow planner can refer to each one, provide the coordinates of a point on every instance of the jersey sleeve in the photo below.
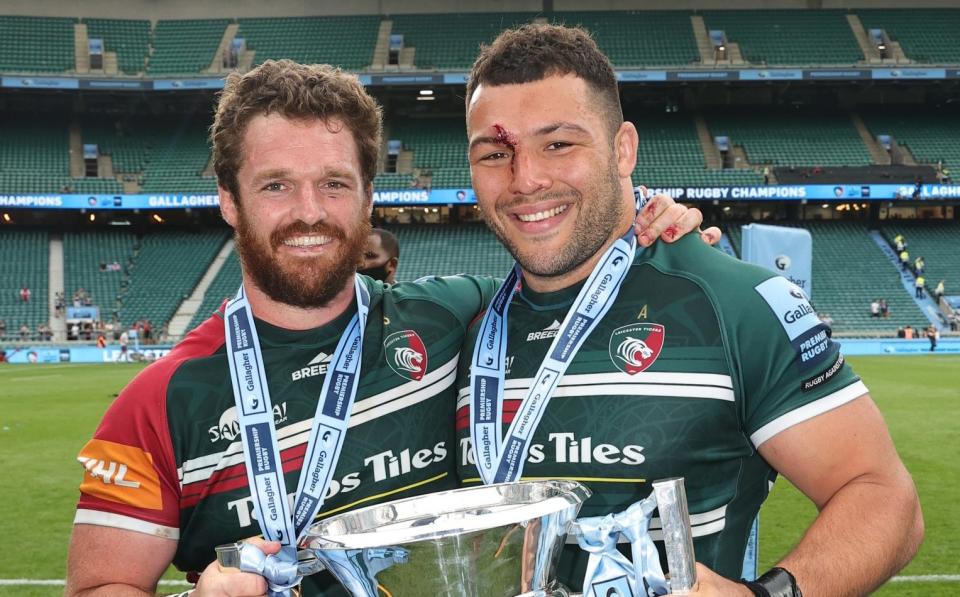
(130, 478)
(791, 370)
(463, 295)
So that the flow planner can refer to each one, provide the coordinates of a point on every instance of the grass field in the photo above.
(48, 412)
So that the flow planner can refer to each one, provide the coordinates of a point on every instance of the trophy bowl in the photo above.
(487, 541)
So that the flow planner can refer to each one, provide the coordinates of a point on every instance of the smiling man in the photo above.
(313, 382)
(621, 367)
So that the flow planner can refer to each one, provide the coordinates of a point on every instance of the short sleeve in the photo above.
(130, 478)
(463, 295)
(791, 369)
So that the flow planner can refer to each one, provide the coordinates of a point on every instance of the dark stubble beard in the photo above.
(306, 283)
(596, 222)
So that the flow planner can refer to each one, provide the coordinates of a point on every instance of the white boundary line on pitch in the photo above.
(935, 578)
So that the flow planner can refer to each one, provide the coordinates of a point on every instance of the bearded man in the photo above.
(235, 405)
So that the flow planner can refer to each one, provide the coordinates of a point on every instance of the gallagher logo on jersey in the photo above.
(406, 354)
(634, 347)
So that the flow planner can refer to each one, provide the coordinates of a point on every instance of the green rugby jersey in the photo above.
(167, 458)
(700, 360)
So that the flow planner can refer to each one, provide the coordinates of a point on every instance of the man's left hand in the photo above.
(664, 218)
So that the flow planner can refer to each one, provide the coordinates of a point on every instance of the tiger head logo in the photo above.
(635, 347)
(406, 354)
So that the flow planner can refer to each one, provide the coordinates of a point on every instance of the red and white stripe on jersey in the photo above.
(681, 385)
(224, 471)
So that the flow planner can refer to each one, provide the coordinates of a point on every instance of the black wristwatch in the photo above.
(777, 582)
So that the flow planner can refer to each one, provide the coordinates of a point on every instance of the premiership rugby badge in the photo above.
(634, 347)
(406, 354)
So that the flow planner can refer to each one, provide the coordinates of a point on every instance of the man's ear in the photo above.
(391, 266)
(625, 144)
(228, 206)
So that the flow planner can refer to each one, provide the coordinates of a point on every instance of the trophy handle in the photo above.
(677, 534)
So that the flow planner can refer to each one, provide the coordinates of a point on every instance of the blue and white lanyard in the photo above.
(255, 415)
(499, 461)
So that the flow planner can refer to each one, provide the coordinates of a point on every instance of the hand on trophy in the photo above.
(668, 220)
(222, 581)
(711, 583)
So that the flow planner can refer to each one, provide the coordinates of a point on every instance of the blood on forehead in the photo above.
(505, 137)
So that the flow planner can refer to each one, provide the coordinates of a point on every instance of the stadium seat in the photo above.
(451, 41)
(788, 37)
(347, 42)
(926, 35)
(36, 44)
(185, 47)
(937, 243)
(794, 138)
(930, 135)
(640, 38)
(446, 250)
(224, 286)
(130, 39)
(26, 258)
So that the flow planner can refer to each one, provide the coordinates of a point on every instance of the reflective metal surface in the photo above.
(677, 534)
(488, 541)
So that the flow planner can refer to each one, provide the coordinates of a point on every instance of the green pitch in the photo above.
(49, 411)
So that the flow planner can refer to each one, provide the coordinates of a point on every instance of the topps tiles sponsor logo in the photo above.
(384, 466)
(564, 448)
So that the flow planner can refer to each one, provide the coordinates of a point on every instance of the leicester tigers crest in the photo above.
(634, 347)
(406, 354)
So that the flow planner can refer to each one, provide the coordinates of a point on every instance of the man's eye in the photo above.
(498, 155)
(558, 145)
(273, 186)
(335, 184)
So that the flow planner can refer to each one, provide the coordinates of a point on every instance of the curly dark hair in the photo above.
(535, 51)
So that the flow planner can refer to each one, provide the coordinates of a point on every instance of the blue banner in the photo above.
(784, 251)
(83, 313)
(406, 196)
(84, 354)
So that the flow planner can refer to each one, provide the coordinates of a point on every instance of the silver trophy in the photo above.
(488, 541)
(482, 541)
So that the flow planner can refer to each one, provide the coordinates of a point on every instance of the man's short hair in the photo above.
(536, 51)
(295, 91)
(388, 241)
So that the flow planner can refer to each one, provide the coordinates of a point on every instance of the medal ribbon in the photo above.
(500, 461)
(259, 436)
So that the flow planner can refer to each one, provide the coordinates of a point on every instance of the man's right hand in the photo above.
(219, 581)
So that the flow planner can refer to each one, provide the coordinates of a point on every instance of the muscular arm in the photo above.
(116, 562)
(869, 523)
(105, 561)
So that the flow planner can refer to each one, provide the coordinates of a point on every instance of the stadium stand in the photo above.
(178, 156)
(849, 272)
(130, 39)
(34, 158)
(153, 293)
(788, 37)
(427, 250)
(796, 138)
(223, 286)
(25, 262)
(392, 181)
(36, 44)
(930, 135)
(447, 41)
(183, 47)
(83, 252)
(927, 35)
(640, 38)
(347, 42)
(937, 243)
(438, 145)
(670, 154)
